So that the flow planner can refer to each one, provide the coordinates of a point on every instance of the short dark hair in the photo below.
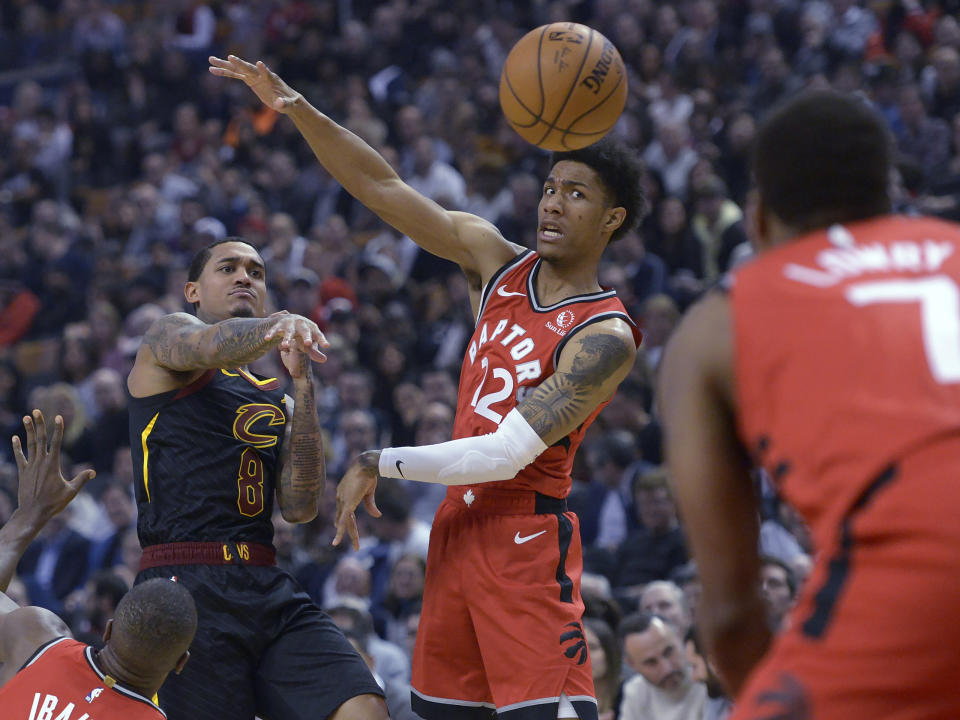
(637, 622)
(157, 620)
(199, 261)
(821, 158)
(621, 171)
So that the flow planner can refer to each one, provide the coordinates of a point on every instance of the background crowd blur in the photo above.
(123, 156)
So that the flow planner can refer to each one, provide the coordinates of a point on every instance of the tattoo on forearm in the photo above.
(180, 343)
(240, 340)
(303, 478)
(564, 397)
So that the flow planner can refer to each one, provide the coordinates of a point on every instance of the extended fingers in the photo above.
(241, 64)
(224, 68)
(57, 438)
(31, 436)
(18, 454)
(82, 478)
(41, 426)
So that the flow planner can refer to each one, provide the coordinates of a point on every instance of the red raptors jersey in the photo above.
(847, 350)
(61, 682)
(514, 348)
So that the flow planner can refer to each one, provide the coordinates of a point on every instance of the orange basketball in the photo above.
(563, 86)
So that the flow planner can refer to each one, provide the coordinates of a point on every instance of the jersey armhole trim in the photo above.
(41, 650)
(496, 277)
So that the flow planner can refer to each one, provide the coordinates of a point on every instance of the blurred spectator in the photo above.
(666, 600)
(397, 694)
(390, 660)
(604, 504)
(653, 551)
(778, 588)
(923, 139)
(718, 225)
(718, 705)
(671, 155)
(121, 511)
(55, 564)
(664, 688)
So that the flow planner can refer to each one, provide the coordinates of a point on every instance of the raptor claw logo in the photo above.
(469, 497)
(579, 644)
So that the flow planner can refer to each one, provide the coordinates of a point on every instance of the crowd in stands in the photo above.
(124, 156)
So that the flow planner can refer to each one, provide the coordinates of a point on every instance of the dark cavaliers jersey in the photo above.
(205, 459)
(515, 346)
(61, 680)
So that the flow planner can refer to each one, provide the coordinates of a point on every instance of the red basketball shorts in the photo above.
(500, 626)
(875, 632)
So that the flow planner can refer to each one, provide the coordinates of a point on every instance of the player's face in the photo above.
(232, 284)
(573, 213)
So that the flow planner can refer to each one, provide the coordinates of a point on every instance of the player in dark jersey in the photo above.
(832, 359)
(212, 445)
(550, 348)
(44, 673)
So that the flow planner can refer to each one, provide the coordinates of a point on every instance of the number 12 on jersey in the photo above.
(481, 404)
(939, 300)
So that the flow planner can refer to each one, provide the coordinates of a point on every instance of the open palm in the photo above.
(267, 85)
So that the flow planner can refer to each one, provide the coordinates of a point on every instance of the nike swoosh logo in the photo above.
(506, 293)
(521, 540)
(399, 463)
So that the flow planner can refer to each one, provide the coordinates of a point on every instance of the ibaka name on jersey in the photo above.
(518, 344)
(48, 707)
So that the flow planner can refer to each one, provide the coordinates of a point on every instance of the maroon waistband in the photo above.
(207, 553)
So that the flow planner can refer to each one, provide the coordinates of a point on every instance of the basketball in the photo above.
(563, 86)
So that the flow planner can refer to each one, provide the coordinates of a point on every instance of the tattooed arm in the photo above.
(303, 474)
(178, 347)
(588, 372)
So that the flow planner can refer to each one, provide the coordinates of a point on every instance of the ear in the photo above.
(614, 219)
(108, 631)
(191, 291)
(178, 668)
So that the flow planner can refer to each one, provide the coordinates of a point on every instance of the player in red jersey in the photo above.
(46, 675)
(500, 628)
(834, 362)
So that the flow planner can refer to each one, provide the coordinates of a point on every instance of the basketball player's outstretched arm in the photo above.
(589, 369)
(471, 242)
(42, 493)
(180, 343)
(303, 474)
(709, 470)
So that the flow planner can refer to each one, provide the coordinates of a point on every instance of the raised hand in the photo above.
(300, 335)
(267, 85)
(358, 485)
(43, 490)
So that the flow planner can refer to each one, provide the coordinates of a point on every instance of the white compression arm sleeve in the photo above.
(498, 455)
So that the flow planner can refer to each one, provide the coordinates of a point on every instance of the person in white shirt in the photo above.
(664, 688)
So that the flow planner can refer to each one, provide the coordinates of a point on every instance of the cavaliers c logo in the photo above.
(248, 415)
